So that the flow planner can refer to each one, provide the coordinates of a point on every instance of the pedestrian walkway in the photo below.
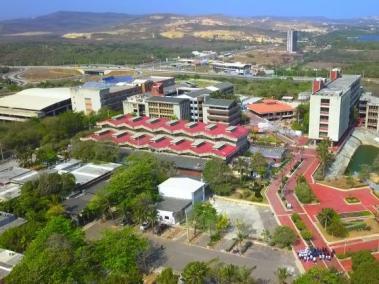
(328, 197)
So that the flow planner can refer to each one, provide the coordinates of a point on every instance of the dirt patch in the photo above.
(344, 183)
(261, 57)
(172, 233)
(42, 74)
(122, 73)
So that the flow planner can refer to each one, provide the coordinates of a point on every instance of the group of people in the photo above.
(315, 254)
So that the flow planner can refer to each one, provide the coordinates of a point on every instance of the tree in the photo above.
(241, 166)
(243, 232)
(321, 276)
(326, 216)
(283, 236)
(324, 155)
(195, 272)
(331, 221)
(282, 274)
(365, 268)
(46, 154)
(204, 216)
(50, 258)
(167, 276)
(259, 163)
(122, 254)
(218, 175)
(229, 273)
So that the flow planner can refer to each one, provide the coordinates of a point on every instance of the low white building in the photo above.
(35, 103)
(178, 195)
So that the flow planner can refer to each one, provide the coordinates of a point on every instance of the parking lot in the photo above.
(257, 218)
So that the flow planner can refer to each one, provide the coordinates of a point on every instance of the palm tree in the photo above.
(324, 155)
(241, 166)
(242, 233)
(195, 272)
(282, 274)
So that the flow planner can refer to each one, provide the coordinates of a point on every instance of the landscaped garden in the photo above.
(337, 227)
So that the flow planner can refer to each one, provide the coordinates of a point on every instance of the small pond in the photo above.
(365, 154)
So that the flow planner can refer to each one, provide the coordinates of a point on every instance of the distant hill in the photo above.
(63, 22)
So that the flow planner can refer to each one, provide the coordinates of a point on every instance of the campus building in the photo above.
(332, 105)
(221, 111)
(232, 68)
(34, 103)
(369, 111)
(93, 96)
(196, 99)
(156, 106)
(178, 137)
(272, 110)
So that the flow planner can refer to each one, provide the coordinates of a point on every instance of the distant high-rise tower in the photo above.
(291, 41)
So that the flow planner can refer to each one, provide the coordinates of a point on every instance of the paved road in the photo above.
(177, 254)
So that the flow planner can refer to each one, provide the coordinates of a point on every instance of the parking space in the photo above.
(257, 218)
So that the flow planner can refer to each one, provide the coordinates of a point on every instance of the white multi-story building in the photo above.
(291, 41)
(332, 105)
(197, 99)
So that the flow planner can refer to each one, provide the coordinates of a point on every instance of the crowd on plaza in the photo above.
(315, 254)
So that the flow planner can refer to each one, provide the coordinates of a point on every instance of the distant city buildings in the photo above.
(332, 105)
(292, 37)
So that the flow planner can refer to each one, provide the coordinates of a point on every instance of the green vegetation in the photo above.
(303, 191)
(167, 276)
(204, 217)
(198, 272)
(47, 137)
(324, 155)
(275, 88)
(219, 176)
(302, 121)
(332, 222)
(59, 254)
(365, 268)
(305, 233)
(319, 275)
(39, 202)
(132, 190)
(283, 236)
(61, 52)
(352, 200)
(90, 151)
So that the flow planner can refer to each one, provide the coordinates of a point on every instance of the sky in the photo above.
(336, 9)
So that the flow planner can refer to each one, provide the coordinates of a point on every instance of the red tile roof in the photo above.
(205, 149)
(269, 106)
(180, 127)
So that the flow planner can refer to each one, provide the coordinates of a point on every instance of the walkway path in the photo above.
(328, 197)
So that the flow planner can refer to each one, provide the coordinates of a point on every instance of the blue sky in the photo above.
(327, 8)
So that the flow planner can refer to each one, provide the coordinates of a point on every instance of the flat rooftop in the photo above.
(17, 175)
(218, 102)
(338, 86)
(87, 173)
(185, 184)
(36, 99)
(8, 260)
(166, 100)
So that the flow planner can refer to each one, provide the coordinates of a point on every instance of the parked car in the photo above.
(144, 226)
